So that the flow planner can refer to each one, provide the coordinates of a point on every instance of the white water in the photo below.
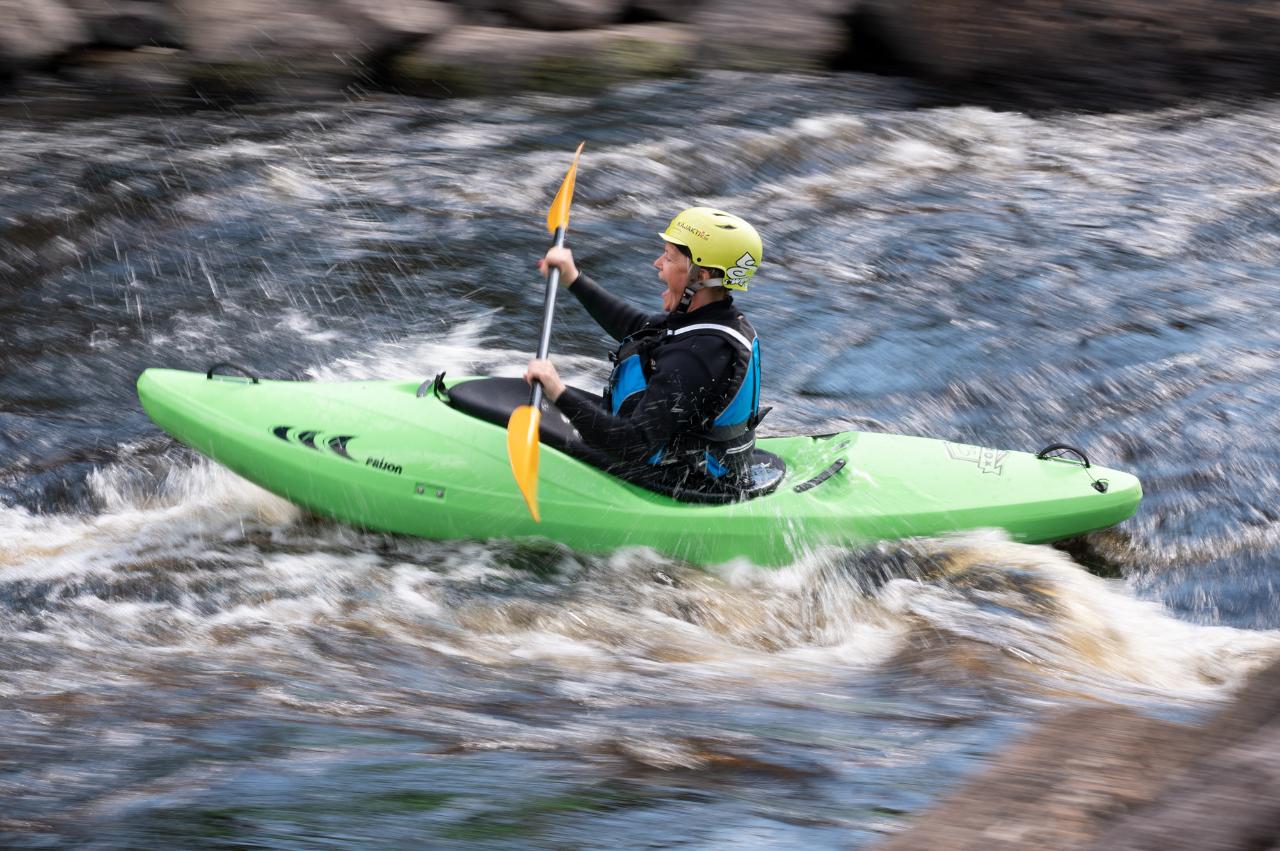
(187, 657)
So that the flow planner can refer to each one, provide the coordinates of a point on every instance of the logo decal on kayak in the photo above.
(337, 444)
(988, 460)
(381, 464)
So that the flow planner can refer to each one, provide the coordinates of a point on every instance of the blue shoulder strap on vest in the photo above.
(628, 378)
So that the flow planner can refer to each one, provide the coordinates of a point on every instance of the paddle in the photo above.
(522, 428)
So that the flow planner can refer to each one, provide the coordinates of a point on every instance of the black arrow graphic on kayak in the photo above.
(337, 444)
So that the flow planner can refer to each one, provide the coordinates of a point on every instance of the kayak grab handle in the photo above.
(1100, 485)
(434, 385)
(229, 365)
(1062, 447)
(836, 467)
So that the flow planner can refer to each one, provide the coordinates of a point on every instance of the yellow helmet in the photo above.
(718, 240)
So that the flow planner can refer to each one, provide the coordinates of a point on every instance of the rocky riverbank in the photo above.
(1111, 779)
(1085, 52)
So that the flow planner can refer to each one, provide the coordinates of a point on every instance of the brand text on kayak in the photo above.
(384, 465)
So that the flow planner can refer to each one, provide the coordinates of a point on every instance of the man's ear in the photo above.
(704, 274)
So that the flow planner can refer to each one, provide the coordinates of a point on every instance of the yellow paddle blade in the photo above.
(558, 214)
(522, 448)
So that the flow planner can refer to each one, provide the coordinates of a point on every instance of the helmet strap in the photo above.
(685, 300)
(693, 283)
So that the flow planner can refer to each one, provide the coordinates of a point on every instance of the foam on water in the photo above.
(1035, 604)
(820, 617)
(194, 503)
(827, 614)
(465, 349)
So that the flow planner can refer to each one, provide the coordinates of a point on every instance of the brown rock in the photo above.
(1109, 779)
(391, 25)
(1227, 802)
(249, 46)
(1226, 798)
(484, 60)
(32, 32)
(1052, 788)
(771, 35)
(235, 31)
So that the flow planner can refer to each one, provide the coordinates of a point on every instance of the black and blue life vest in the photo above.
(721, 447)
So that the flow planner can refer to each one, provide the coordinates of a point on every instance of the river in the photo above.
(189, 662)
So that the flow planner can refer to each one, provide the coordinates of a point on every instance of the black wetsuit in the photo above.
(664, 435)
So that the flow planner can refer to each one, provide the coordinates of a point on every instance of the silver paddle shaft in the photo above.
(548, 310)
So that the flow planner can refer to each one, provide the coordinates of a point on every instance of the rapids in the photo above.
(187, 661)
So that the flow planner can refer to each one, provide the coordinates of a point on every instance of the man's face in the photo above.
(673, 270)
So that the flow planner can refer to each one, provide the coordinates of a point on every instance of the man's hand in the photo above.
(562, 259)
(545, 372)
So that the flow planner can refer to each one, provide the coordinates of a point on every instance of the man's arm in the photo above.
(618, 318)
(675, 401)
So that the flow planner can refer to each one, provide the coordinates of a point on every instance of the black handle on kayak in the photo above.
(229, 365)
(1062, 447)
(835, 467)
(1100, 485)
(436, 386)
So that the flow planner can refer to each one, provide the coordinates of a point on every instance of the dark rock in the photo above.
(771, 35)
(388, 28)
(128, 24)
(488, 60)
(484, 13)
(672, 11)
(870, 47)
(385, 26)
(1110, 779)
(566, 14)
(124, 73)
(1117, 52)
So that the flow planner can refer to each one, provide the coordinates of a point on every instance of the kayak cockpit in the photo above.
(494, 399)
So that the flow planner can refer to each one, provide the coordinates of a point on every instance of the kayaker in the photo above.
(680, 411)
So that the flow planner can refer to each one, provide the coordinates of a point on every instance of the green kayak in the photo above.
(431, 460)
